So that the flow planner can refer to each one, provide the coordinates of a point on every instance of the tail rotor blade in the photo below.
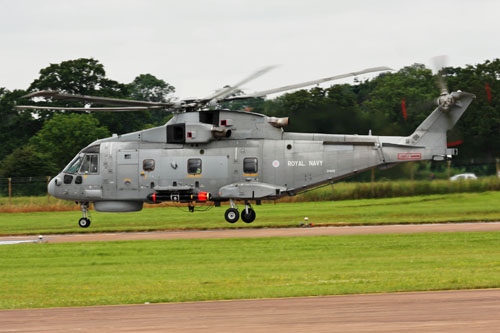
(438, 63)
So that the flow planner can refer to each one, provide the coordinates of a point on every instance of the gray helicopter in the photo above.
(205, 154)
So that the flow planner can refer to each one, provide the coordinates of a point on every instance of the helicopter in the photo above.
(207, 154)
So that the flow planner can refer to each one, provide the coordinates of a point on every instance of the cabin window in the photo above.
(250, 165)
(194, 166)
(90, 164)
(148, 165)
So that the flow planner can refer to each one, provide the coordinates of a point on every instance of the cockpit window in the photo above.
(90, 164)
(75, 164)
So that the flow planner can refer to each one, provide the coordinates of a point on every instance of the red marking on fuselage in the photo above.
(409, 156)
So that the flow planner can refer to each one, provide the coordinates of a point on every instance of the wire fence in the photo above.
(24, 186)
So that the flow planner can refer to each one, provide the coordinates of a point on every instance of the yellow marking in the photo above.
(194, 175)
(250, 174)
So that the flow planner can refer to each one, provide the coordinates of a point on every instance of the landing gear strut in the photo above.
(84, 222)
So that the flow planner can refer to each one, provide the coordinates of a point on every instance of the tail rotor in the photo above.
(445, 99)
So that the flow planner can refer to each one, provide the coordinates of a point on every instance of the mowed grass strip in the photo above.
(79, 274)
(460, 207)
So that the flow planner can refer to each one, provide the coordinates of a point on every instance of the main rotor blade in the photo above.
(93, 99)
(221, 94)
(104, 109)
(310, 83)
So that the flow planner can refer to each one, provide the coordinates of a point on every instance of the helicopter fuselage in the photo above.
(222, 155)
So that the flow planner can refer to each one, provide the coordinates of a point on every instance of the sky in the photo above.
(200, 46)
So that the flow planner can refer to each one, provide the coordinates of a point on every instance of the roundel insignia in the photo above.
(276, 163)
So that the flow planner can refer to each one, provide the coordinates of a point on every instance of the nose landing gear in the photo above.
(84, 222)
(232, 215)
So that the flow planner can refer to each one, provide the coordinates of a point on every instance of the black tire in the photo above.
(232, 215)
(250, 217)
(84, 222)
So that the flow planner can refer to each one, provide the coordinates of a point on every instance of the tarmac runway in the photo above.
(264, 232)
(443, 311)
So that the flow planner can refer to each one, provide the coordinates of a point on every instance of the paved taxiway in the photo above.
(450, 311)
(265, 232)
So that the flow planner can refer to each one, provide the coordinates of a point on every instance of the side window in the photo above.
(90, 164)
(94, 163)
(250, 165)
(194, 166)
(148, 165)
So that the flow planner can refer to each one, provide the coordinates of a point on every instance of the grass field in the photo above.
(77, 274)
(418, 209)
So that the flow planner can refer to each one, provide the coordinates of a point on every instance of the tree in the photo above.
(86, 76)
(27, 162)
(415, 84)
(331, 110)
(16, 127)
(480, 124)
(147, 87)
(63, 136)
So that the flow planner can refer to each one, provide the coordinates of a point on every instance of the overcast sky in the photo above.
(199, 46)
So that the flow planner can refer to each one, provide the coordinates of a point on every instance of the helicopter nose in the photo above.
(51, 188)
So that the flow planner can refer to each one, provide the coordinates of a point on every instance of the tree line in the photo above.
(39, 143)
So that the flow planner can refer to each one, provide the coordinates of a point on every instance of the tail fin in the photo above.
(432, 131)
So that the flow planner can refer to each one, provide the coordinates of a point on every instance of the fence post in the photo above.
(498, 168)
(48, 195)
(10, 191)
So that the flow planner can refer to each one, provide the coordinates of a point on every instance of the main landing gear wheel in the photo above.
(84, 222)
(248, 217)
(232, 215)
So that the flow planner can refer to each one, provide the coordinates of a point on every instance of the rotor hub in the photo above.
(445, 101)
